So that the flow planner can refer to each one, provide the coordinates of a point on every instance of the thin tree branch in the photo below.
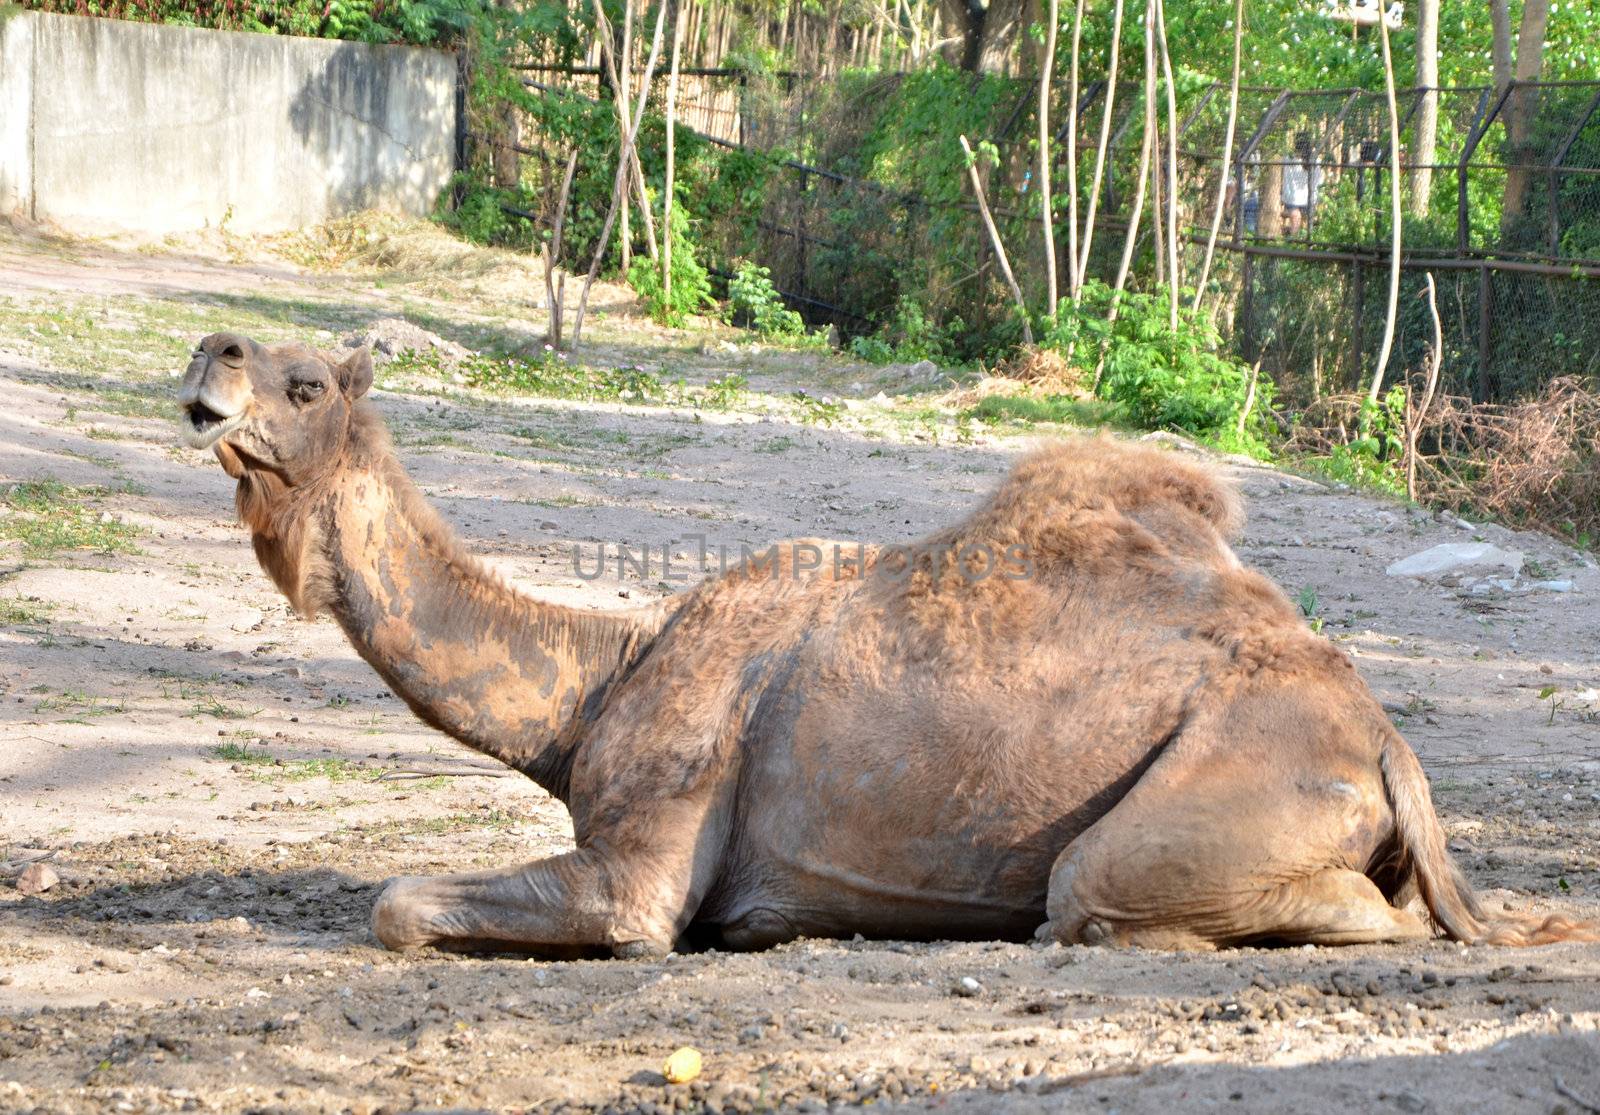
(1046, 72)
(1395, 216)
(1080, 265)
(1227, 156)
(994, 240)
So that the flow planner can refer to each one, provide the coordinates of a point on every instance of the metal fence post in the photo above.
(1485, 391)
(1474, 137)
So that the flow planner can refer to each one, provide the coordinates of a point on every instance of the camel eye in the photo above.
(304, 390)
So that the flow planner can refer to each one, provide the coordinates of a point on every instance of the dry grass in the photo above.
(1536, 463)
(1044, 370)
(399, 246)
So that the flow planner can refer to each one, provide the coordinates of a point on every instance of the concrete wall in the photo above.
(107, 126)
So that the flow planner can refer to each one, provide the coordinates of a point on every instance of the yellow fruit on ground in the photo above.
(682, 1067)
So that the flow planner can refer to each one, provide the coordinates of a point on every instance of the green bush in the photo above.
(691, 286)
(1162, 379)
(754, 301)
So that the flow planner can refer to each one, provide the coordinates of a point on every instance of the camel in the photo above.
(1073, 715)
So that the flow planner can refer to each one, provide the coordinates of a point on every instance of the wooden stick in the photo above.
(1074, 72)
(1046, 71)
(552, 257)
(672, 122)
(1394, 216)
(1174, 278)
(1081, 264)
(994, 240)
(1227, 155)
(619, 184)
(1142, 178)
(1414, 424)
(1250, 397)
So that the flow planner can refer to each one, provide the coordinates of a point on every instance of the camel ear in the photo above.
(355, 374)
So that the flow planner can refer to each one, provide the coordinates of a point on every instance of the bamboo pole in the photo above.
(1046, 72)
(994, 239)
(1226, 173)
(624, 89)
(1395, 217)
(608, 59)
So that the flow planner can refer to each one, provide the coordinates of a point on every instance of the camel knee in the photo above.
(402, 917)
(1071, 922)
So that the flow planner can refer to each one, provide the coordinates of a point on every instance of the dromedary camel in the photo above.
(1121, 733)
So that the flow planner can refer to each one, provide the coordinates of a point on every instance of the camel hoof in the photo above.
(638, 950)
(1094, 932)
(395, 918)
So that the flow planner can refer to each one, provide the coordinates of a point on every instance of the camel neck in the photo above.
(508, 675)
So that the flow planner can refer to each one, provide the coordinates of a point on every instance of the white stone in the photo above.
(1451, 556)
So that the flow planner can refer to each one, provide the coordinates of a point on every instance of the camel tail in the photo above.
(1445, 891)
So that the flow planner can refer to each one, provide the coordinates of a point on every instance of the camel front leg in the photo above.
(579, 902)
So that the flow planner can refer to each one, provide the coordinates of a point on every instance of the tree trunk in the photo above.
(985, 36)
(1427, 132)
(1519, 109)
(1500, 18)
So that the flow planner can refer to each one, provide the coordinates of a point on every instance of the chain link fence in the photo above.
(1500, 192)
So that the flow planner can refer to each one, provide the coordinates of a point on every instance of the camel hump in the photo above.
(1093, 472)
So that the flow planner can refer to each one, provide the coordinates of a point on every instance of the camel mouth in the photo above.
(204, 427)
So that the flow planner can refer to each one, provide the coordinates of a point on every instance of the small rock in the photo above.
(1410, 1101)
(1450, 557)
(967, 988)
(37, 878)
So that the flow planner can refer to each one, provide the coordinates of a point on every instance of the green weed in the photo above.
(47, 516)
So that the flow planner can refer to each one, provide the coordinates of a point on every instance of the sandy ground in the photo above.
(222, 787)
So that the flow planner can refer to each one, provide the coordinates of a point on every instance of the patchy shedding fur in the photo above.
(1073, 707)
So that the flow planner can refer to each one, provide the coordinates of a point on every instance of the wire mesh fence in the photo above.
(1499, 193)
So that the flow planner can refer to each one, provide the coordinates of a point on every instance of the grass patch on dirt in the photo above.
(1026, 410)
(83, 706)
(221, 710)
(267, 767)
(241, 753)
(47, 517)
(24, 611)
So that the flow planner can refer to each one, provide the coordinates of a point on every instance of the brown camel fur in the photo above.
(1118, 732)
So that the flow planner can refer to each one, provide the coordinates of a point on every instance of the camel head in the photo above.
(283, 409)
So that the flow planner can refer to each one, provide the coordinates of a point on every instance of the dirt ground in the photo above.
(222, 787)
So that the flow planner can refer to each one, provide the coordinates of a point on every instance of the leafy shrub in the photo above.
(873, 349)
(722, 393)
(1373, 458)
(691, 286)
(1160, 378)
(756, 302)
